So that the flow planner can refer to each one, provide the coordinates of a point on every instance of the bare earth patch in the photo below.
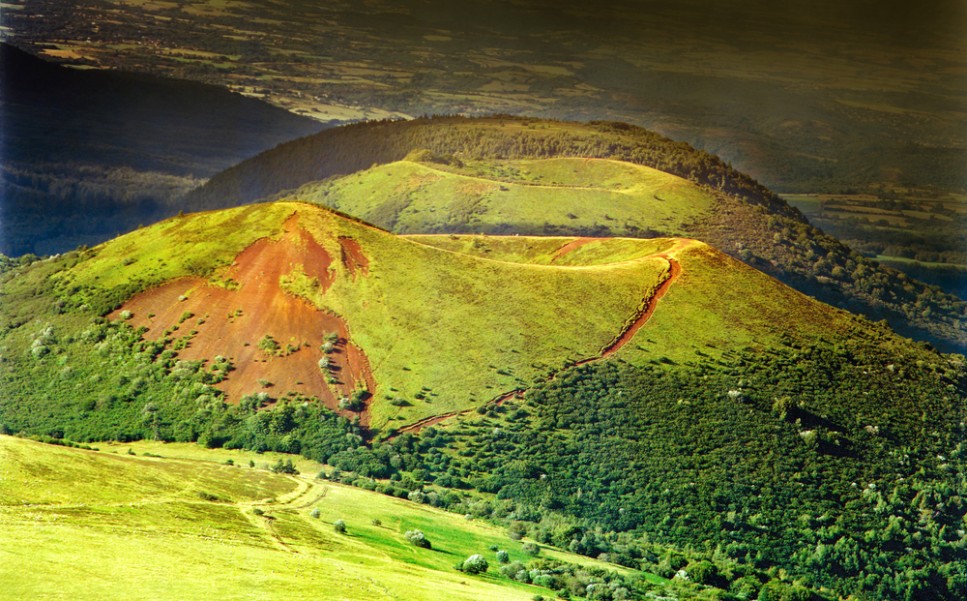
(231, 321)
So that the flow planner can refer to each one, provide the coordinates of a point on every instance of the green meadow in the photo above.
(176, 522)
(534, 196)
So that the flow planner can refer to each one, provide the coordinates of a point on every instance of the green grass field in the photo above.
(77, 524)
(523, 196)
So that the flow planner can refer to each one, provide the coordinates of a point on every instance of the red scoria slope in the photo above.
(231, 321)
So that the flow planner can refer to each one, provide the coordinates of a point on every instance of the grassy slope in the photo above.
(524, 196)
(468, 329)
(450, 327)
(137, 519)
(447, 322)
(718, 305)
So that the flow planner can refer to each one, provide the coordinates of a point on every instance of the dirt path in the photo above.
(644, 314)
(433, 420)
(674, 270)
(572, 245)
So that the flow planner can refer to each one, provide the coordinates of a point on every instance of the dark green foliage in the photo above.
(873, 506)
(285, 467)
(83, 378)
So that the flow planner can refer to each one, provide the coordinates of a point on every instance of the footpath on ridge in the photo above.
(641, 318)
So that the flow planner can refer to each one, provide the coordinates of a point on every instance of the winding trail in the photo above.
(644, 314)
(674, 270)
(572, 245)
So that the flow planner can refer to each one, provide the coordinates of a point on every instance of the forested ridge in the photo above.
(748, 222)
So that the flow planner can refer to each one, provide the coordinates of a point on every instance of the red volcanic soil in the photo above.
(572, 245)
(352, 256)
(674, 270)
(231, 323)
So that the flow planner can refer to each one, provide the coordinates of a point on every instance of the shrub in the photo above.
(418, 539)
(503, 556)
(315, 512)
(339, 526)
(269, 345)
(515, 570)
(475, 564)
(531, 548)
(284, 468)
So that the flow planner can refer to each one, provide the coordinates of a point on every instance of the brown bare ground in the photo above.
(232, 322)
(572, 245)
(352, 256)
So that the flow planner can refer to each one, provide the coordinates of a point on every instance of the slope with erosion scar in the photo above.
(232, 319)
(435, 325)
(442, 330)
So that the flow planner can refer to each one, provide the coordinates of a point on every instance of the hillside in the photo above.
(745, 220)
(652, 400)
(532, 197)
(179, 523)
(90, 154)
(290, 299)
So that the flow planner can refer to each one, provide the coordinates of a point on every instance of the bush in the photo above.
(339, 526)
(315, 512)
(475, 564)
(503, 556)
(418, 539)
(284, 468)
(269, 345)
(531, 548)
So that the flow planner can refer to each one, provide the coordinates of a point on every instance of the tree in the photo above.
(339, 526)
(475, 564)
(418, 539)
